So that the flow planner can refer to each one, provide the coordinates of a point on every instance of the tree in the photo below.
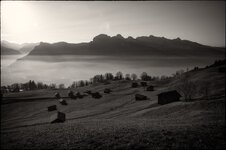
(98, 78)
(81, 83)
(32, 85)
(15, 87)
(187, 88)
(3, 89)
(205, 89)
(109, 76)
(40, 85)
(144, 76)
(86, 83)
(133, 76)
(61, 86)
(127, 76)
(178, 73)
(163, 77)
(119, 75)
(73, 85)
(52, 86)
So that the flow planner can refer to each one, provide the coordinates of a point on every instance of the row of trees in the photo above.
(119, 76)
(30, 85)
(101, 78)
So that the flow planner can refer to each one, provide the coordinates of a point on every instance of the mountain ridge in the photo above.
(118, 45)
(8, 51)
(22, 48)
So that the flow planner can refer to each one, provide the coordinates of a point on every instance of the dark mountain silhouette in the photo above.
(9, 51)
(118, 45)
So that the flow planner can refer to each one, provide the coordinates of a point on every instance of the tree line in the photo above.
(100, 78)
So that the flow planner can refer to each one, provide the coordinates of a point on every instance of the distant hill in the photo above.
(23, 48)
(9, 51)
(10, 45)
(118, 45)
(27, 47)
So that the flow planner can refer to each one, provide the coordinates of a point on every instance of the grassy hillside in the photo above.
(117, 120)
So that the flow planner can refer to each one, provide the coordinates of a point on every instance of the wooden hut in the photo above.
(57, 95)
(79, 95)
(96, 95)
(140, 97)
(71, 95)
(62, 101)
(168, 97)
(107, 91)
(58, 117)
(134, 84)
(150, 88)
(143, 83)
(52, 108)
(88, 92)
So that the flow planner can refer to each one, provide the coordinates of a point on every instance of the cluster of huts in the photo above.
(60, 116)
(143, 84)
(163, 98)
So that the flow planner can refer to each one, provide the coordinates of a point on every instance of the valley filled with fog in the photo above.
(69, 68)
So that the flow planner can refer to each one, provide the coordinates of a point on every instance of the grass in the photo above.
(116, 134)
(116, 121)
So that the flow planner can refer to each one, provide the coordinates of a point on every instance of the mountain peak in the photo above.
(119, 36)
(177, 39)
(101, 37)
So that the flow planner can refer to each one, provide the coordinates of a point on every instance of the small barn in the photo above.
(79, 95)
(140, 97)
(88, 92)
(168, 97)
(96, 95)
(71, 95)
(52, 108)
(63, 102)
(150, 88)
(57, 95)
(143, 83)
(107, 91)
(134, 85)
(58, 117)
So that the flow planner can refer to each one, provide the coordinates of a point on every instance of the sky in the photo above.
(77, 21)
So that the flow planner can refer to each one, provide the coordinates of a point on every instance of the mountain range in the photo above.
(117, 46)
(8, 51)
(7, 47)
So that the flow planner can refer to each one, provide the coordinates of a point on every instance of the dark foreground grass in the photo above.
(116, 134)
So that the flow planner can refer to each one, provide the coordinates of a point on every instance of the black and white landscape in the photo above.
(113, 75)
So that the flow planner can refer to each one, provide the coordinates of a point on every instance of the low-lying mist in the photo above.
(66, 69)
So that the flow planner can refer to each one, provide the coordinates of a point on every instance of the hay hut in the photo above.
(57, 95)
(140, 97)
(107, 91)
(143, 83)
(58, 117)
(52, 108)
(96, 95)
(168, 97)
(62, 101)
(150, 88)
(134, 85)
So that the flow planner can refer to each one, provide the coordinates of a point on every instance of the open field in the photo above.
(117, 121)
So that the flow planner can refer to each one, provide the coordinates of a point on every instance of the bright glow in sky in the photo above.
(76, 21)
